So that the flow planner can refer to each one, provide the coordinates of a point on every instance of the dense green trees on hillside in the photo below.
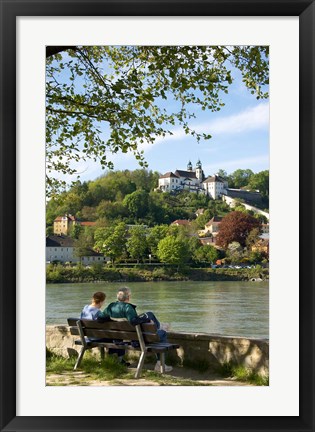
(129, 196)
(248, 180)
(126, 196)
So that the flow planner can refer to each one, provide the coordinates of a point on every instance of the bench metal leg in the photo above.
(79, 358)
(162, 360)
(102, 352)
(140, 364)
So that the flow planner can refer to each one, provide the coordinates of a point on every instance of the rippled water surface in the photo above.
(226, 308)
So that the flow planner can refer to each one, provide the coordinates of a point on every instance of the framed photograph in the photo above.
(28, 401)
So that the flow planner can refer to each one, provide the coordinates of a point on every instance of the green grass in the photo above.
(107, 369)
(110, 369)
(242, 373)
(57, 364)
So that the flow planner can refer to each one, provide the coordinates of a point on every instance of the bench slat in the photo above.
(156, 347)
(112, 325)
(115, 334)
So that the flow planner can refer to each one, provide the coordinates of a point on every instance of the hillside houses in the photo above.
(212, 227)
(64, 224)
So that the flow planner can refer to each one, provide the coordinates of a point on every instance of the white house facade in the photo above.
(60, 248)
(193, 180)
(215, 186)
(190, 179)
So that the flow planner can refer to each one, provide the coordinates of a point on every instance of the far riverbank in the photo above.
(62, 274)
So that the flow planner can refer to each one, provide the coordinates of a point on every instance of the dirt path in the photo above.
(178, 376)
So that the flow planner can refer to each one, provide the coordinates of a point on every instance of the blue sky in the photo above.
(240, 139)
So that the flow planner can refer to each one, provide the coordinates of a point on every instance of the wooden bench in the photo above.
(122, 333)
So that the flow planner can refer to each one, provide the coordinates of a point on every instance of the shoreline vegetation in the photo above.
(142, 273)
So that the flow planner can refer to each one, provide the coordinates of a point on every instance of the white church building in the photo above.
(193, 180)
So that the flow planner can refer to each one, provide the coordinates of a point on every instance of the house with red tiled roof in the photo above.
(63, 224)
(87, 223)
(212, 227)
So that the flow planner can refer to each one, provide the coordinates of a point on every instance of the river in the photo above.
(225, 308)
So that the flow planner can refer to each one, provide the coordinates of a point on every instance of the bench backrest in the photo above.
(118, 330)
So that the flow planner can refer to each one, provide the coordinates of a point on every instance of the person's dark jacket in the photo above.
(121, 309)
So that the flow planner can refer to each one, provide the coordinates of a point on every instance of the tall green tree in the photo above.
(137, 203)
(84, 243)
(137, 242)
(127, 91)
(156, 234)
(172, 250)
(260, 181)
(240, 178)
(206, 253)
(111, 241)
(234, 252)
(76, 230)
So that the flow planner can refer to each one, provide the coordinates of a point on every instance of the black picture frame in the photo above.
(305, 10)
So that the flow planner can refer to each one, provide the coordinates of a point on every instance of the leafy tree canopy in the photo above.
(235, 227)
(101, 100)
(137, 242)
(206, 253)
(172, 250)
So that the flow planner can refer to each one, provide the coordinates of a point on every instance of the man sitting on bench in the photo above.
(122, 308)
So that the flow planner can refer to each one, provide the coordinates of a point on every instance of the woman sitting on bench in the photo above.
(93, 312)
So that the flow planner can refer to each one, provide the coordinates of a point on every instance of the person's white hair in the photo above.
(123, 294)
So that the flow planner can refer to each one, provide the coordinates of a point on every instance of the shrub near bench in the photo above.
(142, 337)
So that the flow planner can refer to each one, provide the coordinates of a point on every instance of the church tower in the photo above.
(189, 166)
(199, 172)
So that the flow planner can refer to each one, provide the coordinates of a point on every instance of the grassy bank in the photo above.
(62, 274)
(241, 373)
